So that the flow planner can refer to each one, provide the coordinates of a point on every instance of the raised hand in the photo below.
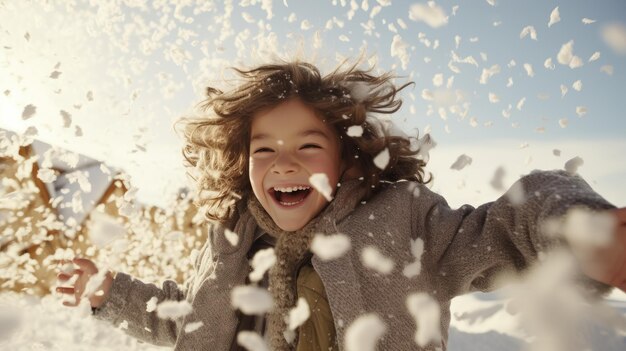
(97, 290)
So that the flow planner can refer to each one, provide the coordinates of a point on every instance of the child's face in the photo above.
(288, 144)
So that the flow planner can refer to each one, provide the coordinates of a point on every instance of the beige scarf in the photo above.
(292, 248)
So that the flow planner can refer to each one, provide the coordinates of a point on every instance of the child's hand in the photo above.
(87, 269)
(607, 264)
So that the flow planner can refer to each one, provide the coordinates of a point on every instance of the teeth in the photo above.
(291, 189)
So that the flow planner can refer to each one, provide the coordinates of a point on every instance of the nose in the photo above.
(284, 164)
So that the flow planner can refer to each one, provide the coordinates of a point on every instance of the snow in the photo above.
(426, 311)
(373, 259)
(382, 159)
(299, 314)
(363, 334)
(555, 17)
(415, 268)
(262, 261)
(330, 247)
(231, 237)
(461, 162)
(169, 309)
(614, 35)
(251, 341)
(354, 131)
(431, 14)
(320, 182)
(251, 299)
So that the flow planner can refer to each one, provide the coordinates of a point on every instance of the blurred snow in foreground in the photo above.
(479, 322)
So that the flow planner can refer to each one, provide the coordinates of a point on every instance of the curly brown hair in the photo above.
(217, 145)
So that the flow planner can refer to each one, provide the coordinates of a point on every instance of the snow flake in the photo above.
(151, 305)
(305, 25)
(363, 334)
(577, 85)
(563, 122)
(359, 91)
(548, 63)
(461, 162)
(614, 36)
(581, 111)
(170, 309)
(262, 261)
(520, 103)
(516, 194)
(497, 181)
(231, 236)
(382, 159)
(565, 54)
(399, 49)
(320, 182)
(251, 300)
(373, 259)
(595, 56)
(192, 327)
(563, 90)
(104, 229)
(555, 17)
(493, 98)
(67, 118)
(488, 73)
(528, 30)
(427, 313)
(572, 165)
(438, 80)
(355, 131)
(608, 69)
(29, 111)
(46, 175)
(427, 95)
(587, 21)
(417, 250)
(431, 14)
(299, 314)
(585, 229)
(251, 341)
(330, 247)
(529, 70)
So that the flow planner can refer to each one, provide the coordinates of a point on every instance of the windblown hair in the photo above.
(218, 145)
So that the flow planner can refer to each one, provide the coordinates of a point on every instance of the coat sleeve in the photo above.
(469, 247)
(127, 301)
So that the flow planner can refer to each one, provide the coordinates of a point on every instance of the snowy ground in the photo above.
(479, 322)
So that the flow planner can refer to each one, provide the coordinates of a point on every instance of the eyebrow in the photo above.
(303, 133)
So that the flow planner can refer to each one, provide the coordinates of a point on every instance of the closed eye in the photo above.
(310, 146)
(263, 149)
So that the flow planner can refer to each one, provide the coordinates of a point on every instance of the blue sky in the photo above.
(146, 66)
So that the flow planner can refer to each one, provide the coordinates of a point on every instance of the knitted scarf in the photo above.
(291, 249)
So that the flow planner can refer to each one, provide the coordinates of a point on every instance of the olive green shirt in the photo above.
(318, 332)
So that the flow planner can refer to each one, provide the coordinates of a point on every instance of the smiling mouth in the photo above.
(288, 197)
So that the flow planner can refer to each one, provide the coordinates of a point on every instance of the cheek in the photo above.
(324, 163)
(256, 172)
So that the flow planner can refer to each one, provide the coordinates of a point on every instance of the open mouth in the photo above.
(290, 196)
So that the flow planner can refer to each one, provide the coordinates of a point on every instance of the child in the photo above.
(258, 150)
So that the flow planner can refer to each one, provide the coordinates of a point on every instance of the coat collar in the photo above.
(293, 247)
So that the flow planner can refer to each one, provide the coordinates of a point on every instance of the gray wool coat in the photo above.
(464, 250)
